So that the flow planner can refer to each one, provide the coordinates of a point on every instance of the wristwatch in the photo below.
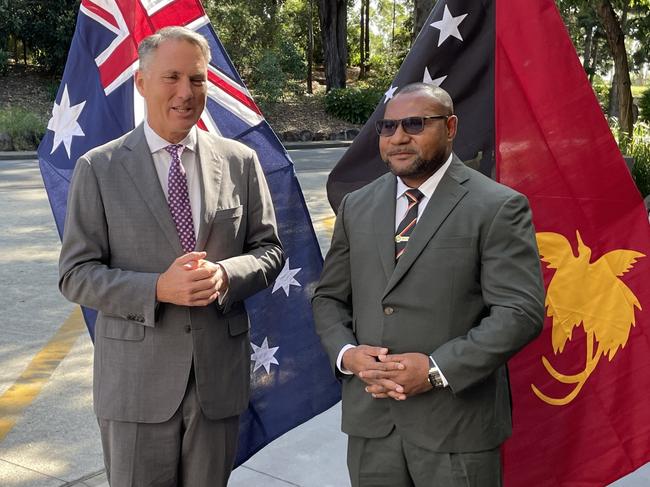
(435, 377)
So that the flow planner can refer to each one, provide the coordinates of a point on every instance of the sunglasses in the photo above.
(411, 125)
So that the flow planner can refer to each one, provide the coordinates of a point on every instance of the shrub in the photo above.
(602, 93)
(291, 60)
(26, 129)
(644, 105)
(354, 105)
(268, 79)
(638, 147)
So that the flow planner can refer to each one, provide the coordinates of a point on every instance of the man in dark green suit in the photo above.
(431, 284)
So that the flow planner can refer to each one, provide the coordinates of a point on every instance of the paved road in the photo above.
(48, 434)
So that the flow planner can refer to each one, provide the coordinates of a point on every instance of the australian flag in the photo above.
(96, 102)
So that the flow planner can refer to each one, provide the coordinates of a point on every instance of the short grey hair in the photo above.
(438, 94)
(149, 44)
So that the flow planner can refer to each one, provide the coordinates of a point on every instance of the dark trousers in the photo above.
(189, 450)
(393, 462)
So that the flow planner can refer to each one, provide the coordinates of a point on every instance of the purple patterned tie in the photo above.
(178, 199)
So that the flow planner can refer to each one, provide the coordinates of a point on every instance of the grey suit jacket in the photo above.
(468, 291)
(119, 236)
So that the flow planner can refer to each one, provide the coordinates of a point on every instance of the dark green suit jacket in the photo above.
(468, 291)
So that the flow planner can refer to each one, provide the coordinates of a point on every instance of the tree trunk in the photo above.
(362, 41)
(594, 59)
(589, 42)
(333, 26)
(616, 43)
(310, 47)
(366, 41)
(421, 10)
(392, 39)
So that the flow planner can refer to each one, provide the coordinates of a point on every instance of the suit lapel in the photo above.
(138, 163)
(443, 201)
(384, 212)
(210, 164)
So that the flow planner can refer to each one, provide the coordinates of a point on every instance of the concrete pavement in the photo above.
(48, 433)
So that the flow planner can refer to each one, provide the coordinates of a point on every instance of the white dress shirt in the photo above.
(162, 161)
(401, 207)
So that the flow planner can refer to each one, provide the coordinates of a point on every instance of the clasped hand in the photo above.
(396, 376)
(191, 281)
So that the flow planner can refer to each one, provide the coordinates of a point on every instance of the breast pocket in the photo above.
(453, 243)
(228, 214)
(227, 233)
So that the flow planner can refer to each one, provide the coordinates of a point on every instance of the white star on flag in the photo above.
(390, 93)
(64, 122)
(427, 78)
(263, 356)
(448, 26)
(286, 279)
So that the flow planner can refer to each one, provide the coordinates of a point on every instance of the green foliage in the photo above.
(266, 41)
(44, 28)
(4, 62)
(24, 128)
(638, 146)
(268, 78)
(292, 61)
(383, 70)
(644, 105)
(355, 105)
(602, 92)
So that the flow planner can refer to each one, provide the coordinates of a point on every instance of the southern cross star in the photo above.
(390, 93)
(263, 356)
(286, 279)
(429, 80)
(448, 26)
(64, 122)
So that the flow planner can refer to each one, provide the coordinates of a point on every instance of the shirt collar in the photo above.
(156, 142)
(429, 186)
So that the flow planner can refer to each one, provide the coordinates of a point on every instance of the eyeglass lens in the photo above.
(410, 125)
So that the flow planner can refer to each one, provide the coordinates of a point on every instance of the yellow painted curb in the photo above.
(30, 383)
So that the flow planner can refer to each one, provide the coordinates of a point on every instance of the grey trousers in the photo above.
(393, 462)
(189, 450)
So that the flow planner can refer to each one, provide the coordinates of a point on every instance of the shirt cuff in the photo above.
(339, 359)
(222, 296)
(442, 376)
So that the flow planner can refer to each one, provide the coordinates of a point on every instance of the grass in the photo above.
(637, 90)
(24, 128)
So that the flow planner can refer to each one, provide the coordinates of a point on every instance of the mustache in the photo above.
(401, 151)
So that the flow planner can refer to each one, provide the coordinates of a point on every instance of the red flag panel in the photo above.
(553, 144)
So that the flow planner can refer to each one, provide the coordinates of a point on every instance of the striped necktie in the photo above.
(407, 224)
(178, 199)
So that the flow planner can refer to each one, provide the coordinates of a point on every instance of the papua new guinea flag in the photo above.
(529, 118)
(291, 380)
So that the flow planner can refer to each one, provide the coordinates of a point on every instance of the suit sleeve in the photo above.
(84, 274)
(332, 300)
(513, 292)
(263, 257)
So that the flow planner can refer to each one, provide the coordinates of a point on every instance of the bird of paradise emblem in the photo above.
(590, 294)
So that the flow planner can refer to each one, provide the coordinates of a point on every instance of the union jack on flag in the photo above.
(97, 102)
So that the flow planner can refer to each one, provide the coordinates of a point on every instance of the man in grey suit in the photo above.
(168, 230)
(431, 284)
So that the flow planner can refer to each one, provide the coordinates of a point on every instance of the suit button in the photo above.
(188, 328)
(388, 311)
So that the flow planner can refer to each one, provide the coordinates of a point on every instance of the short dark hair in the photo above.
(149, 44)
(438, 94)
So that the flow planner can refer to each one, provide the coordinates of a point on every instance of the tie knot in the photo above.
(173, 150)
(414, 195)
